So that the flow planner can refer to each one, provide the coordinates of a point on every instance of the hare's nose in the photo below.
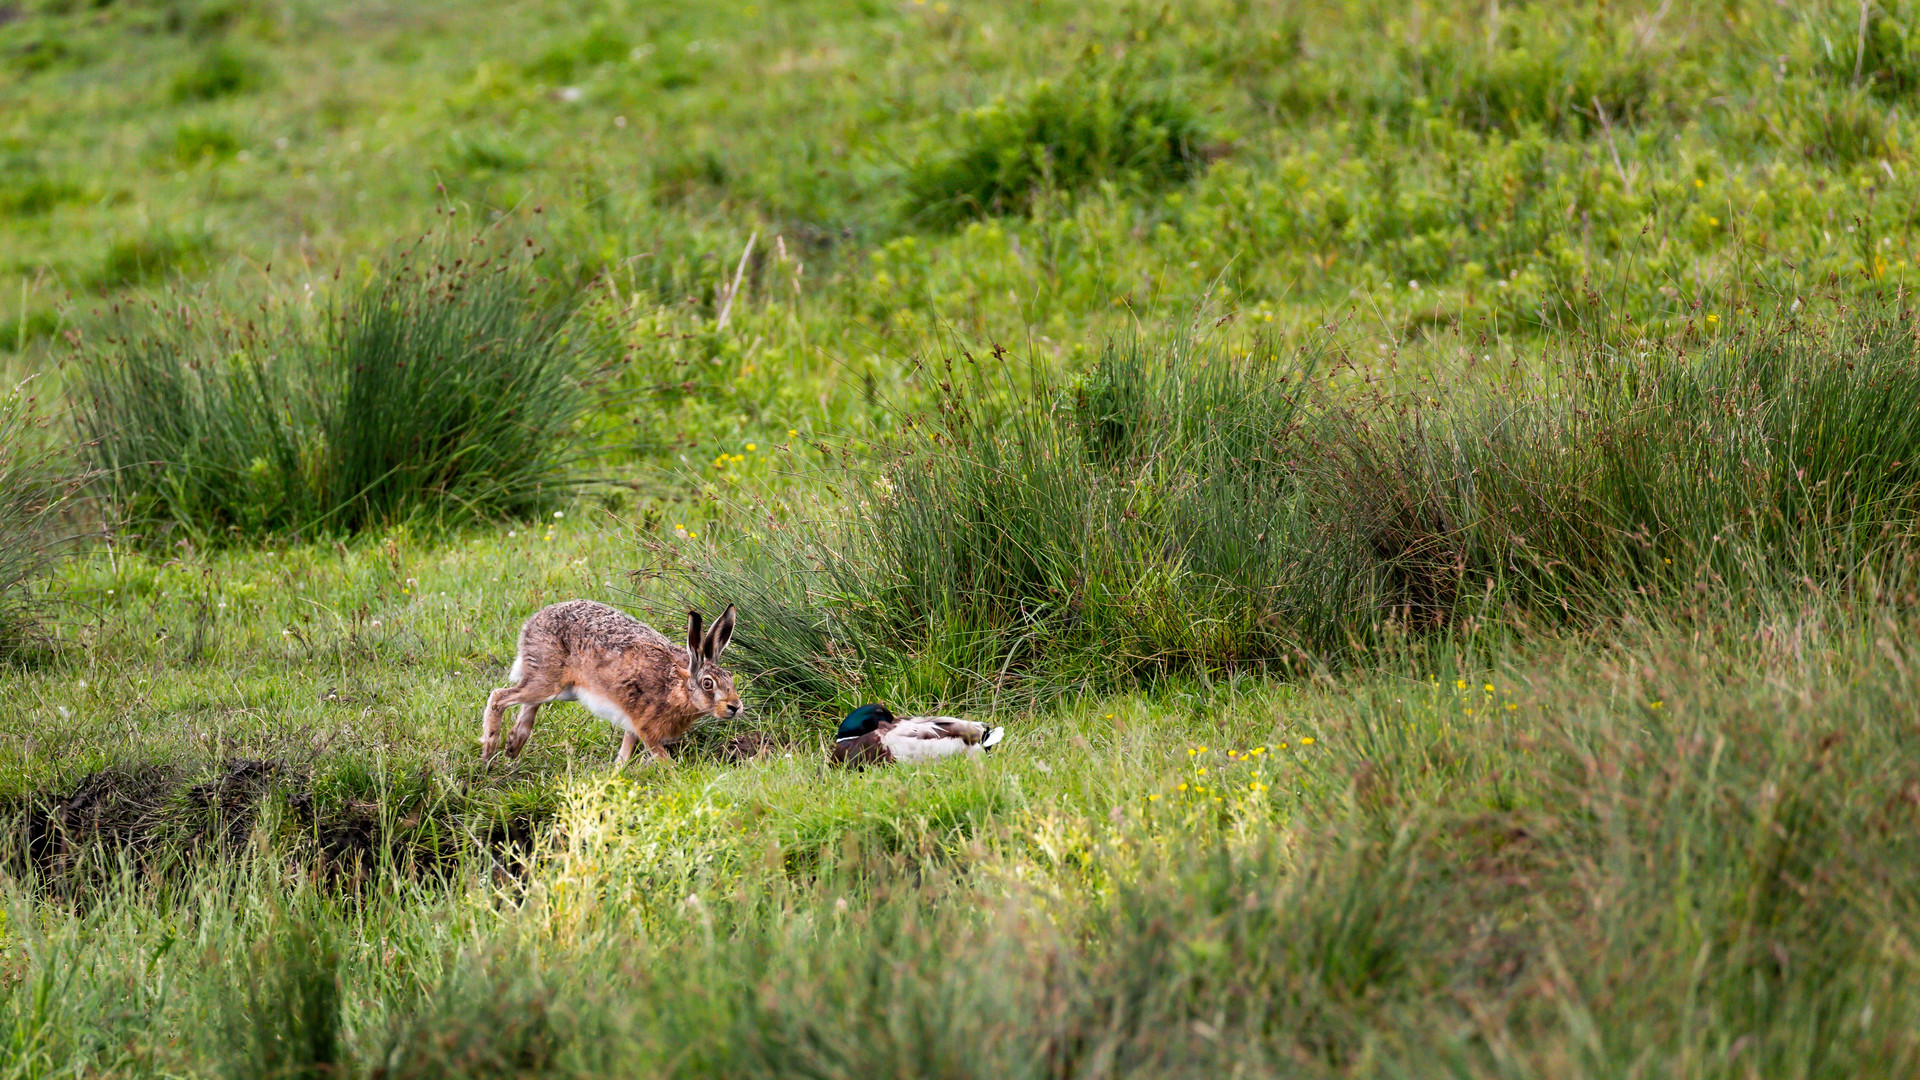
(733, 710)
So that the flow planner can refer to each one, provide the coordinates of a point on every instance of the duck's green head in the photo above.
(862, 720)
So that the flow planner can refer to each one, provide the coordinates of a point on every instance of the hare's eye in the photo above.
(707, 683)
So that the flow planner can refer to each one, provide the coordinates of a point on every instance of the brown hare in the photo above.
(621, 669)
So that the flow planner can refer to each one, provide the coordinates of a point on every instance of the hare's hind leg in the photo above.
(522, 728)
(529, 694)
(490, 722)
(626, 750)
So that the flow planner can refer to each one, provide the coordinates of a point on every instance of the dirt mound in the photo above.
(160, 818)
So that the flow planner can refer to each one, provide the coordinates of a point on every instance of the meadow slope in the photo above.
(1426, 486)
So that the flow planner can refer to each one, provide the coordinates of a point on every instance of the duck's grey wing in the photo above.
(924, 738)
(947, 727)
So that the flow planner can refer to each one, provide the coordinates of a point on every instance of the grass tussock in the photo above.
(27, 191)
(445, 388)
(1532, 72)
(1885, 53)
(221, 71)
(483, 1020)
(151, 256)
(1058, 137)
(1175, 511)
(33, 491)
(281, 1014)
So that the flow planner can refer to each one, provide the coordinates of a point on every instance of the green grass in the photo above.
(1425, 487)
(1370, 877)
(1725, 161)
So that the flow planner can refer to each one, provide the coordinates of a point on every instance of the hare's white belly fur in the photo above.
(602, 707)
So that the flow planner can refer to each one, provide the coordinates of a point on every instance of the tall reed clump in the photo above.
(33, 488)
(444, 388)
(1726, 472)
(1058, 137)
(1146, 518)
(1176, 511)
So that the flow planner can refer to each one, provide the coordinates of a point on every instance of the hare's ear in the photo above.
(695, 645)
(718, 637)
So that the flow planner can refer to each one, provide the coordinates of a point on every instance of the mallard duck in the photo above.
(870, 735)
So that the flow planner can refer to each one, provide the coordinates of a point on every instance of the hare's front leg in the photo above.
(659, 751)
(626, 751)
